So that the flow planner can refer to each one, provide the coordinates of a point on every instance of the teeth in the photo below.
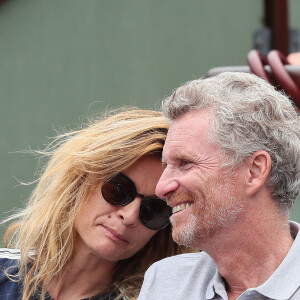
(180, 207)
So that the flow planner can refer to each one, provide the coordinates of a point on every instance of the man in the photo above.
(232, 173)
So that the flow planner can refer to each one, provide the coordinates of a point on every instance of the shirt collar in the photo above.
(283, 283)
(215, 286)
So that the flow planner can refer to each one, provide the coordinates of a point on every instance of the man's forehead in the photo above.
(180, 146)
(193, 125)
(194, 119)
(188, 133)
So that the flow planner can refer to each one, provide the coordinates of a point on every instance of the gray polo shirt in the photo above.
(194, 276)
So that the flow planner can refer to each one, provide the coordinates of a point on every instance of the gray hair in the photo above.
(249, 115)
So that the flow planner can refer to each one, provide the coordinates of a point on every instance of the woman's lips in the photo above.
(116, 236)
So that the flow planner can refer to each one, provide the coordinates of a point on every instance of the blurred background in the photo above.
(64, 60)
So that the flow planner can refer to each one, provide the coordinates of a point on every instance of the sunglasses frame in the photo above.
(136, 194)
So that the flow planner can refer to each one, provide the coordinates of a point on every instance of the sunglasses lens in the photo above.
(119, 190)
(155, 213)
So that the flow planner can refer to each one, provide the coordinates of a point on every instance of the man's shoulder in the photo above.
(183, 257)
(192, 256)
(190, 272)
(187, 262)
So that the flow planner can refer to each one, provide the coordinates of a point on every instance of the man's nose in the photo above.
(166, 184)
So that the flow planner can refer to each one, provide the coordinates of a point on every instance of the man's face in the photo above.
(204, 197)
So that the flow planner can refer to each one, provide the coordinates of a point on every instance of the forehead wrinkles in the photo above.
(185, 139)
(176, 142)
(182, 132)
(196, 124)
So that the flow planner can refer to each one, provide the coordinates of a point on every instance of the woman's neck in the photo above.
(84, 276)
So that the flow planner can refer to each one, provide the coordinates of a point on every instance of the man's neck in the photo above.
(248, 252)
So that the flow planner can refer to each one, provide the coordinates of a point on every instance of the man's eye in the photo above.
(185, 163)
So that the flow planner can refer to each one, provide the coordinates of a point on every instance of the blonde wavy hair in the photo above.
(79, 161)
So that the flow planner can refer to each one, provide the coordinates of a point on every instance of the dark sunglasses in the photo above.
(121, 190)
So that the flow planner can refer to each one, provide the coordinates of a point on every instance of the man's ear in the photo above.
(257, 172)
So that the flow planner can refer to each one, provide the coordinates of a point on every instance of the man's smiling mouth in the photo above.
(180, 207)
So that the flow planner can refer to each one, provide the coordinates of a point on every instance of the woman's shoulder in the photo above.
(9, 258)
(9, 261)
(9, 268)
(9, 254)
(105, 296)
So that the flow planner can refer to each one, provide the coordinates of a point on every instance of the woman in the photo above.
(93, 224)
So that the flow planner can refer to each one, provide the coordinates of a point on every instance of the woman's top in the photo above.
(11, 288)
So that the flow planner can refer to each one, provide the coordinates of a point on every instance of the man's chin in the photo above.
(178, 240)
(182, 236)
(187, 232)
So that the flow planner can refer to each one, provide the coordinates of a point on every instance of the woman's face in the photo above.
(116, 232)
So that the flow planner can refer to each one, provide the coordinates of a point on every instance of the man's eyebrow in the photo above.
(178, 157)
(182, 156)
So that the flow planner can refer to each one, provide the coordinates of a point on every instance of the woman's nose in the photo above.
(130, 213)
(166, 184)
